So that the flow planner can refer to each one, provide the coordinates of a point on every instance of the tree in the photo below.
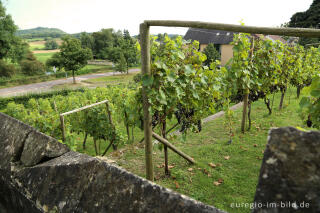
(6, 70)
(124, 47)
(30, 65)
(87, 40)
(103, 41)
(212, 54)
(55, 61)
(7, 31)
(121, 64)
(307, 19)
(51, 44)
(73, 56)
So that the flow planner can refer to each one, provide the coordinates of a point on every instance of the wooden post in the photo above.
(172, 147)
(62, 128)
(246, 93)
(165, 147)
(145, 68)
(244, 110)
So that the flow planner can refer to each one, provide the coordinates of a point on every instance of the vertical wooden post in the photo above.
(165, 148)
(246, 93)
(62, 128)
(145, 68)
(244, 110)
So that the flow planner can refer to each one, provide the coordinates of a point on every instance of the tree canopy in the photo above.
(7, 33)
(71, 56)
(307, 19)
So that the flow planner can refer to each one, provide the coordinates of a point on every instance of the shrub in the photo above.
(32, 67)
(51, 45)
(6, 70)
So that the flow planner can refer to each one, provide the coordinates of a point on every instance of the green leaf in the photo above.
(163, 99)
(147, 80)
(305, 102)
(171, 77)
(189, 70)
(181, 55)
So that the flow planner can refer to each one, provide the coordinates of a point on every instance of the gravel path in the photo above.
(46, 86)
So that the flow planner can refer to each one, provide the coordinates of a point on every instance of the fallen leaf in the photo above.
(255, 145)
(227, 157)
(262, 151)
(190, 169)
(205, 171)
(220, 180)
(177, 184)
(170, 167)
(209, 175)
(216, 183)
(212, 165)
(245, 149)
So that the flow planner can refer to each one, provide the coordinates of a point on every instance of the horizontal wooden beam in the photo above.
(296, 32)
(172, 147)
(82, 108)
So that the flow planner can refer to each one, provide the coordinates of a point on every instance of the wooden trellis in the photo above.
(145, 63)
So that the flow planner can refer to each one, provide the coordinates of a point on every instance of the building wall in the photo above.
(226, 53)
(203, 46)
(225, 50)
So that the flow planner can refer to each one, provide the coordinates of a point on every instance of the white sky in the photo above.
(73, 16)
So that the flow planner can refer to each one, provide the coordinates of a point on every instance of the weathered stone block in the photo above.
(40, 147)
(290, 174)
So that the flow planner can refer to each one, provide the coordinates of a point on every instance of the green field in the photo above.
(36, 46)
(111, 80)
(43, 57)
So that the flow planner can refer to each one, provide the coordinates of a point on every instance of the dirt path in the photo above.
(46, 51)
(46, 86)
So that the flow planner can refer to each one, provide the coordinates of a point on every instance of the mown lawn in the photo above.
(111, 80)
(236, 166)
(43, 57)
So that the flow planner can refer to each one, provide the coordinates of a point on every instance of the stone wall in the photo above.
(39, 174)
(290, 173)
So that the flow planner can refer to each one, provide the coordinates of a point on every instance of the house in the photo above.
(220, 39)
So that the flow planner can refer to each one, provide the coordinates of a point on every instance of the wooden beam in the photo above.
(297, 32)
(145, 69)
(172, 147)
(82, 108)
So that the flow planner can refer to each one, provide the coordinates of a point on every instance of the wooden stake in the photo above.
(145, 68)
(244, 111)
(62, 128)
(172, 147)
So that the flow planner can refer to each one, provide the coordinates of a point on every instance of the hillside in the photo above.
(40, 32)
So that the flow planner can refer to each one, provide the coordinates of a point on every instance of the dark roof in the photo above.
(205, 36)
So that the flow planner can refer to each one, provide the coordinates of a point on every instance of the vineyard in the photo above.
(181, 92)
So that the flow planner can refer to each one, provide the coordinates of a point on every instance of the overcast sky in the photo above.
(73, 16)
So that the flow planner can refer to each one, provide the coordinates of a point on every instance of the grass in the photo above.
(35, 79)
(38, 45)
(111, 80)
(237, 164)
(43, 57)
